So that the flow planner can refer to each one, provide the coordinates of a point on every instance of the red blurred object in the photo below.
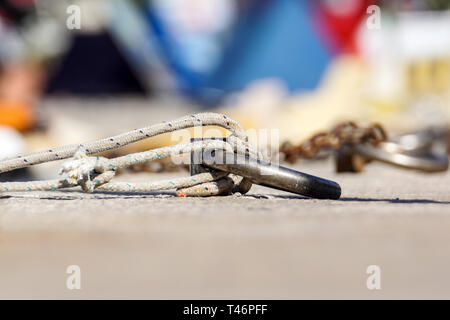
(339, 21)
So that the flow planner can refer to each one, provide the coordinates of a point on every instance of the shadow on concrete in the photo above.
(105, 195)
(397, 200)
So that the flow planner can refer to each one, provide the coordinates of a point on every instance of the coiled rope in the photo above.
(96, 172)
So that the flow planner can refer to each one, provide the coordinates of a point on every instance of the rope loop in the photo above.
(97, 172)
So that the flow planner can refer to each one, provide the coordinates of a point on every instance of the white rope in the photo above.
(96, 172)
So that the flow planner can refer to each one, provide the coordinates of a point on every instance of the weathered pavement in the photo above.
(268, 244)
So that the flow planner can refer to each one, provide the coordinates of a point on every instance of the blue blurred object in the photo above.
(191, 37)
(275, 40)
(272, 39)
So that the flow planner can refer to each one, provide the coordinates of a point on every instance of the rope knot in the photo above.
(88, 172)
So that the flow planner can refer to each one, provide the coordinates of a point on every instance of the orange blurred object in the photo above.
(17, 115)
(20, 89)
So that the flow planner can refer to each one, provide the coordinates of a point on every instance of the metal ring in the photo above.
(389, 152)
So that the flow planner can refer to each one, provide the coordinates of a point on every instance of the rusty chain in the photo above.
(344, 133)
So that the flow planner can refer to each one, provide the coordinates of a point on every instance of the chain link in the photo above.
(344, 133)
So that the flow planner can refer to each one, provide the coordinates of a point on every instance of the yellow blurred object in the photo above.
(351, 89)
(265, 104)
(429, 76)
(442, 74)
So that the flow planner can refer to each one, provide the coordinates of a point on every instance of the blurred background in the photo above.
(72, 71)
(81, 70)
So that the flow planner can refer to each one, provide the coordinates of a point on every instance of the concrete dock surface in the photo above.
(267, 244)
